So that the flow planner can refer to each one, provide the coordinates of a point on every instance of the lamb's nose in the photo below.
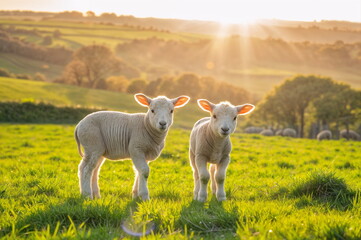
(162, 123)
(225, 129)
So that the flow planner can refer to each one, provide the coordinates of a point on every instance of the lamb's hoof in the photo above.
(135, 195)
(96, 195)
(144, 197)
(87, 195)
(221, 198)
(202, 198)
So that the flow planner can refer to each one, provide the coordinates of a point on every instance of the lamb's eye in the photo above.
(234, 119)
(171, 111)
(152, 111)
(214, 116)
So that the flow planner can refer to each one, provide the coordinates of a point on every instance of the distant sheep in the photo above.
(253, 130)
(267, 132)
(117, 135)
(210, 143)
(279, 132)
(289, 132)
(352, 135)
(323, 135)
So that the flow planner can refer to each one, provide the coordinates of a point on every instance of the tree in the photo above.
(39, 77)
(90, 14)
(342, 105)
(117, 83)
(136, 86)
(288, 103)
(47, 40)
(99, 63)
(75, 73)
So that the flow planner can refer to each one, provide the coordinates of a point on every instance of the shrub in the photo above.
(29, 112)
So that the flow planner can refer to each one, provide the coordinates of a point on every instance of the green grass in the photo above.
(75, 35)
(39, 194)
(17, 64)
(68, 95)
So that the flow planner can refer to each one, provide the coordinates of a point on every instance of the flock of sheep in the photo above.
(141, 137)
(289, 132)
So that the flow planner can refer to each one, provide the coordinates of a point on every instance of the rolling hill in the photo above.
(67, 95)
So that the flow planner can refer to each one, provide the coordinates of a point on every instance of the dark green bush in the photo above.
(29, 112)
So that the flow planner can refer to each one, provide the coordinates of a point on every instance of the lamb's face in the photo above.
(160, 109)
(224, 119)
(224, 115)
(160, 113)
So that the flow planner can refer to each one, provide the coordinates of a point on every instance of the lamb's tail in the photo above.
(77, 141)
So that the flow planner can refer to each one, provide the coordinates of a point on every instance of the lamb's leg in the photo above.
(220, 177)
(142, 167)
(201, 163)
(212, 169)
(195, 176)
(95, 185)
(136, 184)
(86, 168)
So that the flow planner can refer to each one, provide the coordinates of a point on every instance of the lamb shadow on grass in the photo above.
(209, 220)
(78, 213)
(321, 188)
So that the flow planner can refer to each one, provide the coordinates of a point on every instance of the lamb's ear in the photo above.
(142, 99)
(245, 109)
(206, 105)
(180, 101)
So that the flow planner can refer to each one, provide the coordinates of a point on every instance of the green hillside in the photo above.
(59, 94)
(74, 35)
(18, 64)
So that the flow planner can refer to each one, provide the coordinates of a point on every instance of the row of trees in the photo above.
(233, 52)
(96, 66)
(313, 97)
(57, 55)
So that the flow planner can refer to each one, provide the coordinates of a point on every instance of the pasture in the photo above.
(278, 188)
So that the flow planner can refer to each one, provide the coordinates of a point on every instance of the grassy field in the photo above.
(74, 35)
(278, 188)
(68, 95)
(17, 64)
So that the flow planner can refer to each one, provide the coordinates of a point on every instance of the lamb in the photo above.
(210, 143)
(323, 135)
(253, 130)
(279, 132)
(352, 135)
(116, 135)
(289, 132)
(267, 132)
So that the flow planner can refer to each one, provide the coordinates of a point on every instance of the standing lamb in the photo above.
(352, 135)
(210, 143)
(324, 135)
(117, 135)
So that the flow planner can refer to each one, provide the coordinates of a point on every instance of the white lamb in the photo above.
(324, 135)
(210, 143)
(117, 135)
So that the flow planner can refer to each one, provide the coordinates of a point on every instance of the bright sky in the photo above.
(228, 11)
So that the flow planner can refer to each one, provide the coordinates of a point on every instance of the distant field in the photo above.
(39, 195)
(18, 64)
(75, 35)
(260, 79)
(60, 94)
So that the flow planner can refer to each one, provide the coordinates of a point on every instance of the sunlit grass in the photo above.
(39, 195)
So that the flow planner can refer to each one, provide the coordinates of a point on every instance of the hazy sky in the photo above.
(230, 11)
